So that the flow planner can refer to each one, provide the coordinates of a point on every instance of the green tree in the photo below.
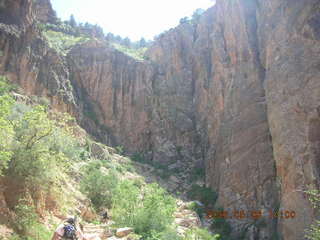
(197, 14)
(126, 42)
(184, 20)
(6, 127)
(41, 148)
(110, 37)
(142, 43)
(72, 21)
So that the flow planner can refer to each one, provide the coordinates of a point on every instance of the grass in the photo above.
(137, 54)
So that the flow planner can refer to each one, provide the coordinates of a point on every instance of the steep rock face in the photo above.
(115, 90)
(232, 108)
(291, 57)
(26, 59)
(173, 119)
(251, 69)
(264, 54)
(237, 91)
(220, 81)
(44, 11)
(16, 12)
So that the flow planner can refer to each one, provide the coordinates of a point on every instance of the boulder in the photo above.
(122, 232)
(87, 213)
(99, 151)
(174, 179)
(188, 222)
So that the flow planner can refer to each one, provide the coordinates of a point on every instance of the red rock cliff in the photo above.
(237, 91)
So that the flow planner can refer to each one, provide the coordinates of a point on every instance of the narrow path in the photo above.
(92, 232)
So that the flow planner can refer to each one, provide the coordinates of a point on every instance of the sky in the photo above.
(130, 18)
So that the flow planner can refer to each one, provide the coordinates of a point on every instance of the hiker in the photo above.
(68, 230)
(104, 216)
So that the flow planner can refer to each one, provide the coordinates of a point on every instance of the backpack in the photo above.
(69, 232)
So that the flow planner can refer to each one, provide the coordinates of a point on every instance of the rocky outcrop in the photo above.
(26, 59)
(44, 11)
(113, 89)
(290, 56)
(232, 109)
(235, 92)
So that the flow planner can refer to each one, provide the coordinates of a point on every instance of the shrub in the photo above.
(5, 86)
(6, 127)
(62, 42)
(138, 157)
(222, 227)
(38, 155)
(6, 132)
(197, 173)
(98, 186)
(27, 223)
(313, 233)
(168, 233)
(205, 195)
(147, 211)
(137, 54)
(200, 210)
(119, 150)
(33, 147)
(200, 234)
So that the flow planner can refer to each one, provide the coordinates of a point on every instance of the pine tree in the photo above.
(72, 21)
(142, 43)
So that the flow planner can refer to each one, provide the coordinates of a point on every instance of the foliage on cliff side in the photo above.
(62, 42)
(136, 53)
(37, 147)
(314, 232)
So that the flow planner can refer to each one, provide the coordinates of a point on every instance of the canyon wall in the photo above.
(236, 92)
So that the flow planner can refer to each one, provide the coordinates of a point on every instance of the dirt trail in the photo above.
(95, 232)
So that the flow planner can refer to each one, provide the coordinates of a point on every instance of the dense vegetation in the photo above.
(62, 42)
(61, 36)
(37, 147)
(136, 53)
(314, 232)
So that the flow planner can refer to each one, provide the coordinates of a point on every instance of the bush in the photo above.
(27, 223)
(168, 233)
(119, 149)
(6, 132)
(205, 195)
(6, 127)
(138, 157)
(314, 232)
(99, 187)
(147, 211)
(200, 234)
(200, 210)
(197, 173)
(39, 150)
(34, 148)
(62, 42)
(222, 227)
(137, 54)
(5, 86)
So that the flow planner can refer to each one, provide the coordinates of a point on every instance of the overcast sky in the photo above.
(132, 18)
